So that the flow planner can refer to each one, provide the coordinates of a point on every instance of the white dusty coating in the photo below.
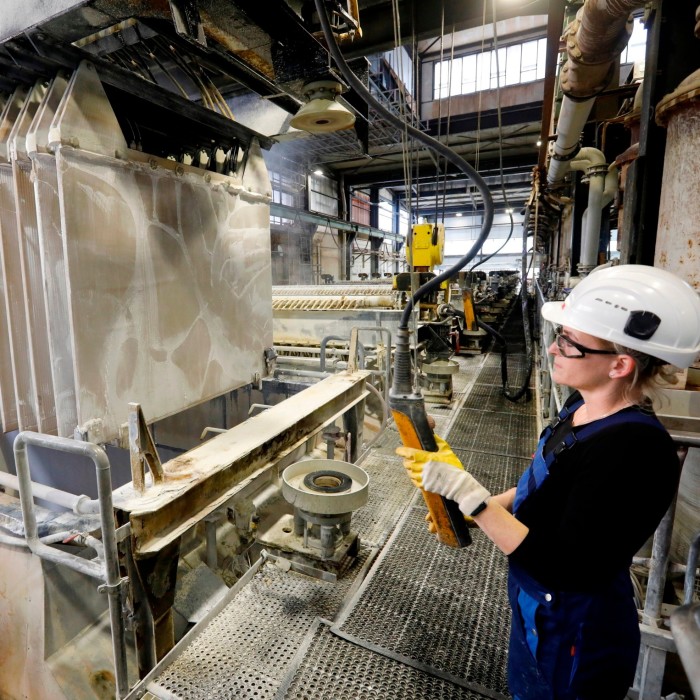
(169, 285)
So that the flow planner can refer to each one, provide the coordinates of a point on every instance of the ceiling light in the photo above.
(318, 171)
(539, 142)
(322, 113)
(459, 213)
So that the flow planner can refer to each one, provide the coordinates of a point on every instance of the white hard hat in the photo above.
(640, 307)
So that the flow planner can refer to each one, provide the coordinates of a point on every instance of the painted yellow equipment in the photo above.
(427, 246)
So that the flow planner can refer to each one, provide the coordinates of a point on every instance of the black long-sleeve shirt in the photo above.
(602, 500)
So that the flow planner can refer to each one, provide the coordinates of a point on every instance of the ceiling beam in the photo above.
(421, 19)
(394, 172)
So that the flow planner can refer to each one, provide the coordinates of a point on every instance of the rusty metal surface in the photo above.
(197, 482)
(678, 236)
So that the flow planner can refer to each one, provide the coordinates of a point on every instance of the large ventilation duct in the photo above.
(594, 40)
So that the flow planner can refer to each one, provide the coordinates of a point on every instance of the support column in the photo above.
(375, 247)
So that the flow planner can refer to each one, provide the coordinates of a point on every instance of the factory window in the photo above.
(323, 194)
(403, 223)
(635, 52)
(283, 192)
(360, 205)
(386, 216)
(519, 63)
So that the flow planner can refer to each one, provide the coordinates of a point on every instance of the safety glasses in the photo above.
(570, 348)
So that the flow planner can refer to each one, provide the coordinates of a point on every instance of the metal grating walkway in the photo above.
(410, 619)
(424, 605)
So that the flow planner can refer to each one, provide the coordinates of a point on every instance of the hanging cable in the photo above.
(440, 96)
(431, 143)
(523, 390)
(448, 126)
(408, 150)
(500, 144)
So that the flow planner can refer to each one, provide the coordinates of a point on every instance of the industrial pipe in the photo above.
(324, 342)
(590, 223)
(19, 541)
(107, 572)
(594, 40)
(80, 505)
(572, 119)
(602, 185)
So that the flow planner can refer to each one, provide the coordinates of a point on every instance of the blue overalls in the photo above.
(567, 645)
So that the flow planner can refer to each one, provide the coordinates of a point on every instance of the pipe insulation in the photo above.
(594, 40)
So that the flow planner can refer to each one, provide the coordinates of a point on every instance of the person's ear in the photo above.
(622, 366)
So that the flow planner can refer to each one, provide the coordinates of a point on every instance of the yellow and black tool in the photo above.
(408, 409)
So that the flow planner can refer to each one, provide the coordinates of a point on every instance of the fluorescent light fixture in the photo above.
(318, 171)
(459, 213)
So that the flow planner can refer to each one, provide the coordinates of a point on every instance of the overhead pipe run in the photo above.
(594, 40)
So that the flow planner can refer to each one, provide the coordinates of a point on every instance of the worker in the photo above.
(603, 475)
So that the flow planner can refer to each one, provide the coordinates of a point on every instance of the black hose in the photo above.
(524, 388)
(430, 142)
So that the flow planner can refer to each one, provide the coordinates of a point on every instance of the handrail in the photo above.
(112, 583)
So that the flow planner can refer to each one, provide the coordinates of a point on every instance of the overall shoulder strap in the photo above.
(619, 419)
(587, 431)
(567, 410)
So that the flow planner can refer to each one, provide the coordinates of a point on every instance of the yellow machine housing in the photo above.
(427, 246)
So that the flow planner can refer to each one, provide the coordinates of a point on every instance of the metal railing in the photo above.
(106, 571)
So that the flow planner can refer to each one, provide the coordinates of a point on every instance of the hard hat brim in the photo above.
(555, 312)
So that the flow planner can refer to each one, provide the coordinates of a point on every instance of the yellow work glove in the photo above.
(414, 460)
(442, 473)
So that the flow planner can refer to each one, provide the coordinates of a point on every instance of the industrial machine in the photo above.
(136, 311)
(176, 430)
